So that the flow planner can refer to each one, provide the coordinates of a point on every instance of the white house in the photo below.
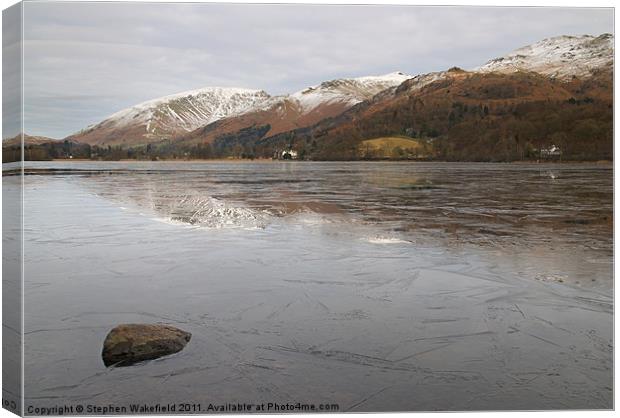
(552, 151)
(289, 154)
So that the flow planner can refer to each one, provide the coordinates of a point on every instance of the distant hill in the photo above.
(41, 148)
(28, 140)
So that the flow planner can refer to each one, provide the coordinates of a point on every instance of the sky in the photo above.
(85, 61)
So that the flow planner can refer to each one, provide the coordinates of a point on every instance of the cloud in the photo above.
(84, 61)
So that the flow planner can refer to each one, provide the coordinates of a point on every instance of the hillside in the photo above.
(170, 116)
(475, 116)
(300, 109)
(555, 92)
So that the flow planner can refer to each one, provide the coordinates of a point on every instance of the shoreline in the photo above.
(268, 160)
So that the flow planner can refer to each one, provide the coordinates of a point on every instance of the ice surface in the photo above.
(391, 297)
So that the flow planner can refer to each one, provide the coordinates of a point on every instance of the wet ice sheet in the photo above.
(553, 222)
(298, 311)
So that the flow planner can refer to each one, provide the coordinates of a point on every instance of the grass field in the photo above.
(393, 147)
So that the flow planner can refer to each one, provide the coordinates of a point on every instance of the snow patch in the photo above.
(347, 91)
(561, 57)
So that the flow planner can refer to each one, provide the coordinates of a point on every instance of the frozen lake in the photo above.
(374, 286)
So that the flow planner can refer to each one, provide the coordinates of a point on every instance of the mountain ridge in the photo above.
(302, 108)
(169, 116)
(560, 71)
(561, 56)
(157, 119)
(468, 116)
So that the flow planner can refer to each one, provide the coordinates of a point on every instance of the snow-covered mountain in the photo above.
(563, 89)
(560, 57)
(348, 91)
(174, 116)
(342, 92)
(170, 116)
(205, 114)
(302, 108)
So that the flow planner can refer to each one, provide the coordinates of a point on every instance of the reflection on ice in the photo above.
(386, 240)
(213, 213)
